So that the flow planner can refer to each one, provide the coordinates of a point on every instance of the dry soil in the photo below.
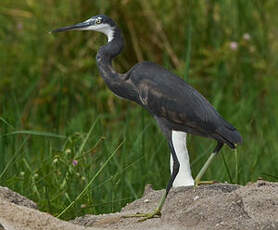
(217, 206)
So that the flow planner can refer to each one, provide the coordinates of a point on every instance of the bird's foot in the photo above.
(197, 183)
(145, 216)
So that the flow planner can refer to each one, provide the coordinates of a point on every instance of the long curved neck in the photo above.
(115, 81)
(106, 54)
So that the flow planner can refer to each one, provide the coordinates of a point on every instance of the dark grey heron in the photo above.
(176, 106)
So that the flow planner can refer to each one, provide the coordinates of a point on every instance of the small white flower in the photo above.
(246, 36)
(68, 151)
(233, 45)
(22, 173)
(55, 160)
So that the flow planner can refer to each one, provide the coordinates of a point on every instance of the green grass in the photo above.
(70, 145)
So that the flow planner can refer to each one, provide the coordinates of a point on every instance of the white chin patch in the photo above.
(103, 28)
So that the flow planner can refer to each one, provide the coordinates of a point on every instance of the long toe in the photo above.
(197, 183)
(154, 214)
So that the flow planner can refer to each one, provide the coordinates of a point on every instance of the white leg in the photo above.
(184, 177)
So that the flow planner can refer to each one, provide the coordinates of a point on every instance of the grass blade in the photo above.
(188, 51)
(226, 167)
(13, 157)
(5, 122)
(86, 139)
(236, 166)
(35, 133)
(90, 182)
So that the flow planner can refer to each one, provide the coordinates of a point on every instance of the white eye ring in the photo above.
(98, 20)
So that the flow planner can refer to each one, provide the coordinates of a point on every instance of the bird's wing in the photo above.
(182, 106)
(168, 96)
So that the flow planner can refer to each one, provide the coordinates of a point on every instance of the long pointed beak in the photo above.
(78, 26)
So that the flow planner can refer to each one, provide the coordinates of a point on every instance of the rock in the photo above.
(13, 197)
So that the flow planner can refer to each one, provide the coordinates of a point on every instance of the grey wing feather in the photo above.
(167, 96)
(180, 104)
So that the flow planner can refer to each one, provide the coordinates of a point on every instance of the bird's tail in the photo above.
(229, 135)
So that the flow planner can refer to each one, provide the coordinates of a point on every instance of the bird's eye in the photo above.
(98, 20)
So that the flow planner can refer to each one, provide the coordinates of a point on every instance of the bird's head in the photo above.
(100, 23)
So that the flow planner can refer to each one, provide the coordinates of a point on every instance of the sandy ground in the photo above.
(217, 206)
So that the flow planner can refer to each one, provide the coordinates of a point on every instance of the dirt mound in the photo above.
(19, 213)
(218, 206)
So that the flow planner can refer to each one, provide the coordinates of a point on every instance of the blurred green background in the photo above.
(59, 123)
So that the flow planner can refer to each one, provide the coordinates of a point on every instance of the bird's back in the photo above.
(179, 105)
